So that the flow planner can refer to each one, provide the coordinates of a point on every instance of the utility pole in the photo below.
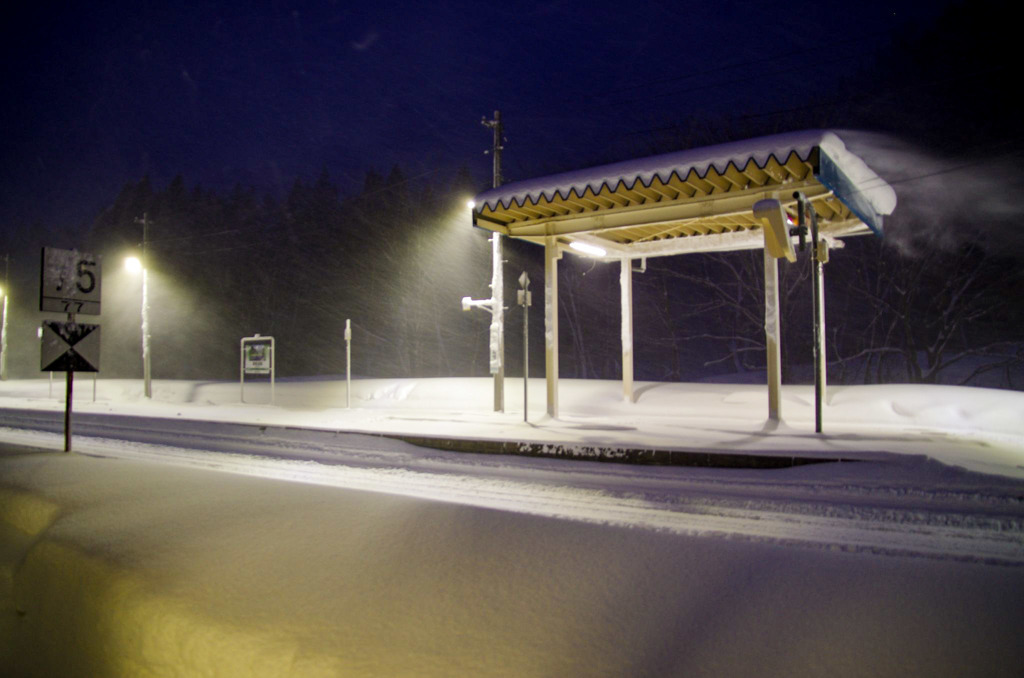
(497, 278)
(5, 293)
(146, 335)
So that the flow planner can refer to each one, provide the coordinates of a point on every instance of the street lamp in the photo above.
(135, 265)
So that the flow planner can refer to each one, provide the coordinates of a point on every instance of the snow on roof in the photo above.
(878, 193)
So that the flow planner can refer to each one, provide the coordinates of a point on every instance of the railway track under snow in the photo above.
(903, 506)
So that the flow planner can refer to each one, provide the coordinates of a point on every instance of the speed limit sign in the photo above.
(70, 282)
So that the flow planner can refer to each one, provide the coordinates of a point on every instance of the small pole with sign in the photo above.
(524, 299)
(69, 283)
(348, 363)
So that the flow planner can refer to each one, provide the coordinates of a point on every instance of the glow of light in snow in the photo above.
(132, 264)
(470, 204)
(587, 248)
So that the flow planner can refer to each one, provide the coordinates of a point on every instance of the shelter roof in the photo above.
(694, 200)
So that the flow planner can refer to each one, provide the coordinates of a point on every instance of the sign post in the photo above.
(69, 283)
(257, 357)
(525, 300)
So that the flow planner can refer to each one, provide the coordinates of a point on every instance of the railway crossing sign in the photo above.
(70, 347)
(69, 282)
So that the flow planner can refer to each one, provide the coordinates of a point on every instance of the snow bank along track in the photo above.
(900, 505)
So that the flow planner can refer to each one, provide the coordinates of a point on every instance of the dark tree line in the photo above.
(935, 301)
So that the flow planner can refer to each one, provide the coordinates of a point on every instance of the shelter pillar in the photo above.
(626, 288)
(551, 257)
(772, 332)
(819, 338)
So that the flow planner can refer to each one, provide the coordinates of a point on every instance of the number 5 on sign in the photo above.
(69, 282)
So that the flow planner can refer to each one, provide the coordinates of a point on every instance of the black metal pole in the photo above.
(804, 210)
(67, 410)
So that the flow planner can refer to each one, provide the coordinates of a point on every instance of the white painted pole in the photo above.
(348, 363)
(147, 388)
(626, 289)
(241, 371)
(3, 341)
(551, 257)
(772, 331)
(146, 365)
(497, 340)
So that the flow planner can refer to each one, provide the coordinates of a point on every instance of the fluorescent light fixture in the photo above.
(587, 248)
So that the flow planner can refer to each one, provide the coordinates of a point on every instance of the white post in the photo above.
(772, 327)
(626, 289)
(273, 369)
(241, 371)
(551, 257)
(497, 342)
(348, 363)
(146, 370)
(3, 341)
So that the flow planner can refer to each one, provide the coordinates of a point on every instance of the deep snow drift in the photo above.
(166, 561)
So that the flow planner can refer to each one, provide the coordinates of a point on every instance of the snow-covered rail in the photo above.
(904, 506)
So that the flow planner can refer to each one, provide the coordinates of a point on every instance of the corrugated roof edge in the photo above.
(760, 149)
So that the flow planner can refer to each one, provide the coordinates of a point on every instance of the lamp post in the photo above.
(136, 265)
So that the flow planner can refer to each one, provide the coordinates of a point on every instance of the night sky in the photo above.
(100, 94)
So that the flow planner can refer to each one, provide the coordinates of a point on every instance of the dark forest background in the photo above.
(936, 300)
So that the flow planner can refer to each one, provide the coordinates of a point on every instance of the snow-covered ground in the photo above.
(352, 554)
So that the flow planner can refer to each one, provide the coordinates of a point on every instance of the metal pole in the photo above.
(497, 279)
(626, 328)
(804, 210)
(241, 371)
(348, 363)
(68, 394)
(525, 301)
(497, 324)
(819, 334)
(146, 365)
(3, 326)
(526, 355)
(273, 370)
(3, 340)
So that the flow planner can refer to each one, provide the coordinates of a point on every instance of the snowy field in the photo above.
(343, 553)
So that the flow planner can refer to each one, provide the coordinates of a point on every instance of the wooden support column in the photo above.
(773, 335)
(551, 257)
(626, 288)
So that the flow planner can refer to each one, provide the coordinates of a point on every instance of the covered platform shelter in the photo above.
(697, 200)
